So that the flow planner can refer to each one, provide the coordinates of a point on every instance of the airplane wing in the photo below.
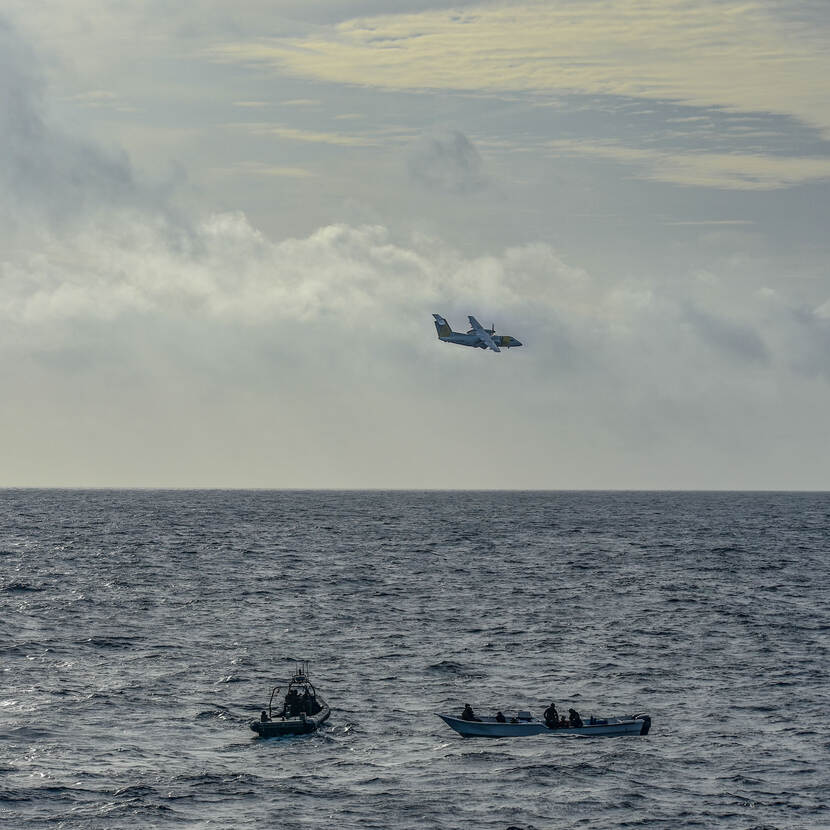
(483, 334)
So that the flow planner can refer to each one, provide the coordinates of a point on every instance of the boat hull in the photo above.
(290, 726)
(491, 728)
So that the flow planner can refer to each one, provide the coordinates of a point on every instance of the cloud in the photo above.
(301, 102)
(226, 269)
(449, 163)
(209, 353)
(707, 222)
(102, 99)
(309, 136)
(724, 335)
(731, 55)
(732, 171)
(254, 168)
(141, 344)
(331, 334)
(46, 176)
(359, 284)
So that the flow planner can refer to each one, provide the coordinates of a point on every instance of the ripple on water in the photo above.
(150, 627)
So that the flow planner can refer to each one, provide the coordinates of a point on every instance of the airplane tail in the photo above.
(442, 326)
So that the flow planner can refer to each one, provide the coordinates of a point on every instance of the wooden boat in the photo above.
(303, 709)
(523, 724)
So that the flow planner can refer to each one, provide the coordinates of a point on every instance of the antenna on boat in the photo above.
(301, 672)
(271, 700)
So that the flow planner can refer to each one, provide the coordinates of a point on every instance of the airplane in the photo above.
(478, 336)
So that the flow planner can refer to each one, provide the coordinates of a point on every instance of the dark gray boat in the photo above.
(303, 709)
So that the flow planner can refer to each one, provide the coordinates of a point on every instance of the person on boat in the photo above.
(551, 717)
(468, 713)
(563, 722)
(293, 704)
(264, 717)
(299, 706)
(500, 718)
(574, 717)
(308, 702)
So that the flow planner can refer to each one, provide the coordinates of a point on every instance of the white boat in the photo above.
(524, 724)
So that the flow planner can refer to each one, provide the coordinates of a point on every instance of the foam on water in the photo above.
(140, 631)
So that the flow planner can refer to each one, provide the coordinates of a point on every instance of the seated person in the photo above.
(500, 718)
(551, 717)
(514, 720)
(576, 721)
(468, 713)
(563, 722)
(264, 717)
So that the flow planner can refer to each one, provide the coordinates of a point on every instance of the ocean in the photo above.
(140, 632)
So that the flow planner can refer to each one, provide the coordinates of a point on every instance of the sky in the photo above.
(225, 226)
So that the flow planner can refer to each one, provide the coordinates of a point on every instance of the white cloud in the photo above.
(301, 102)
(321, 350)
(310, 136)
(223, 269)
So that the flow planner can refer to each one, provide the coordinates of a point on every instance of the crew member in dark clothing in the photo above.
(293, 704)
(308, 702)
(468, 713)
(574, 716)
(264, 717)
(298, 704)
(313, 704)
(551, 717)
(500, 717)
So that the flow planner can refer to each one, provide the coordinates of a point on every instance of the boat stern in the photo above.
(279, 729)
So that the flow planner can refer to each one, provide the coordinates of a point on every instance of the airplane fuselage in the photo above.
(502, 340)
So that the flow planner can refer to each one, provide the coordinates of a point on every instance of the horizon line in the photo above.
(213, 488)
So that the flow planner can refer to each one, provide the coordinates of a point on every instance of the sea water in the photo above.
(140, 631)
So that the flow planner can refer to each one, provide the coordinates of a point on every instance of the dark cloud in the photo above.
(810, 348)
(46, 174)
(447, 163)
(724, 335)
